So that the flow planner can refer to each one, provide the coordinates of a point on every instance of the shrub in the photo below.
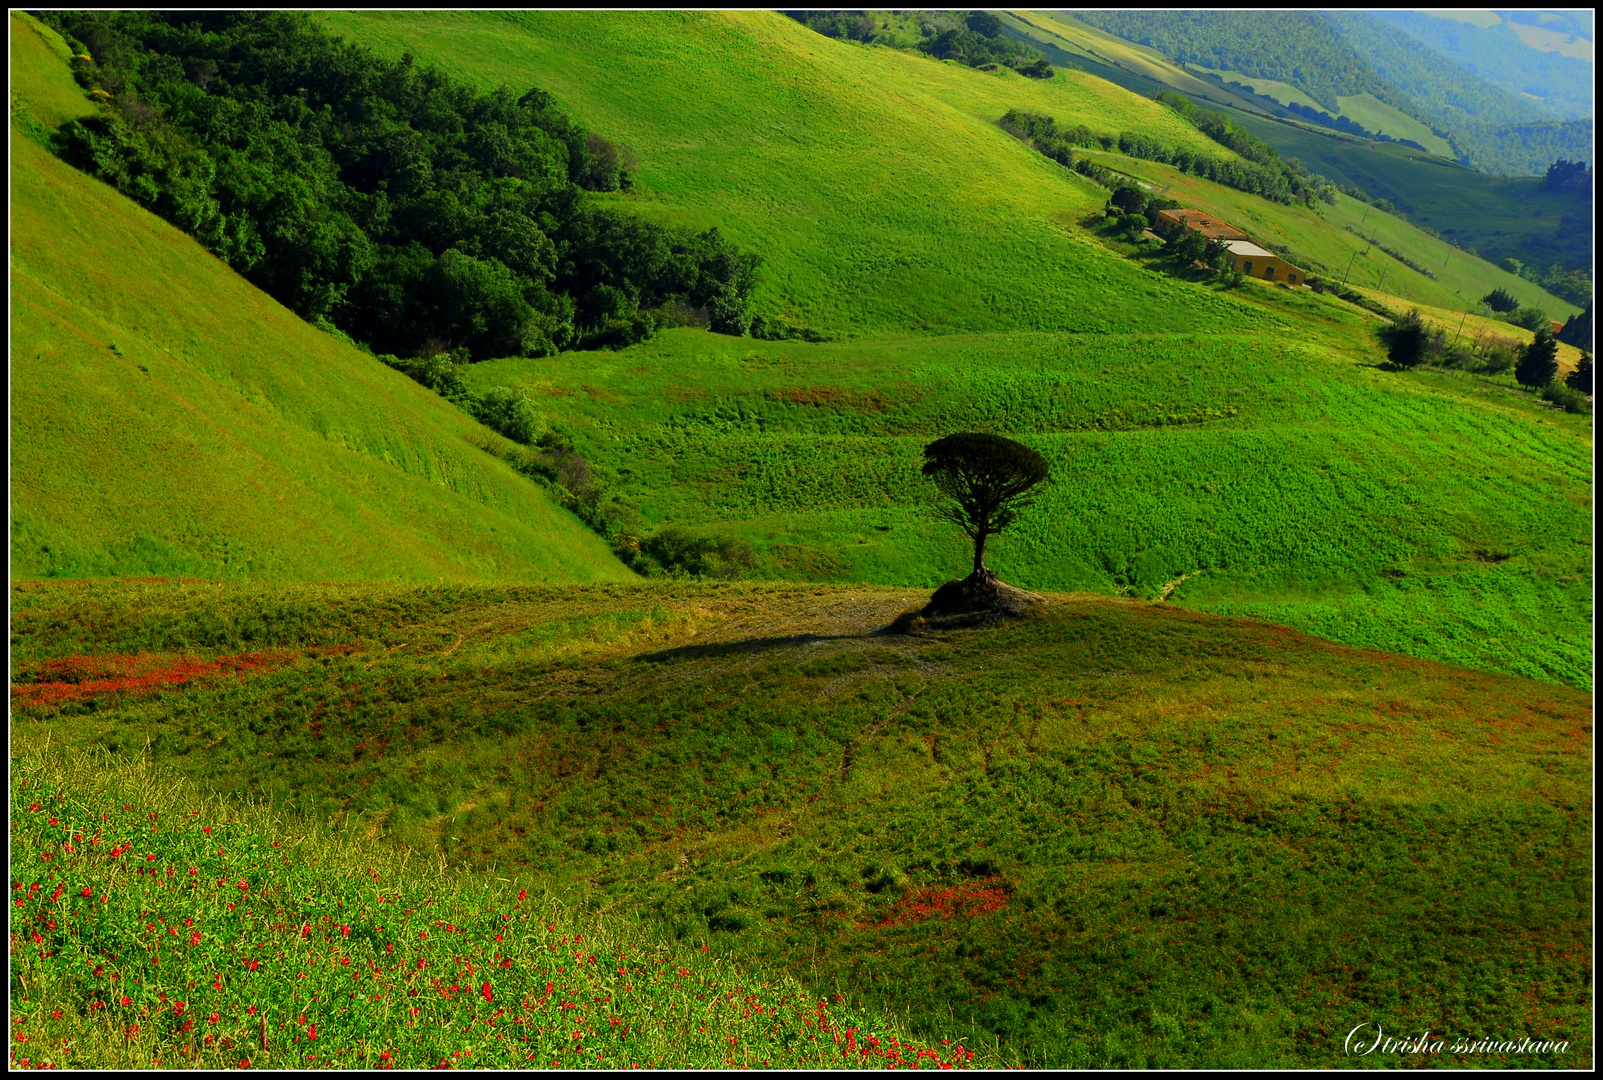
(679, 551)
(1531, 318)
(621, 332)
(512, 412)
(1409, 342)
(1570, 400)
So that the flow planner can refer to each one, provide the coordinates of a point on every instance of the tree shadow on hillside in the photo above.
(745, 646)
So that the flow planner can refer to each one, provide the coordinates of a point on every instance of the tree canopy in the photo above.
(402, 205)
(987, 480)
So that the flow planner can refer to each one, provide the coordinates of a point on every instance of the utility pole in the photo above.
(1349, 269)
(1461, 323)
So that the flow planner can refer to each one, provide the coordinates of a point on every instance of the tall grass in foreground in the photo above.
(154, 928)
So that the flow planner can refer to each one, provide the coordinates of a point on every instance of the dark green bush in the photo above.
(512, 412)
(1500, 300)
(1581, 378)
(1409, 342)
(1531, 318)
(1570, 400)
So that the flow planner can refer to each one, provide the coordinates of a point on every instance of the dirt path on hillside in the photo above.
(821, 615)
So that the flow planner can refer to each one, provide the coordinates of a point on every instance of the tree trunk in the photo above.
(979, 557)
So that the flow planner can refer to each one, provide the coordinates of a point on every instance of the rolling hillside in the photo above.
(808, 452)
(168, 418)
(732, 823)
(1123, 834)
(1498, 216)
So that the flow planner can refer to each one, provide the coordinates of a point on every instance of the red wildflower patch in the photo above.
(964, 901)
(74, 677)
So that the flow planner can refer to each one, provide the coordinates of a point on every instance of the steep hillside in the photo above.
(167, 418)
(1499, 216)
(1121, 835)
(1339, 57)
(1554, 70)
(876, 183)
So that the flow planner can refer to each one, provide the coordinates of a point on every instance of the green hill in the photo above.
(1122, 835)
(168, 418)
(875, 183)
(1369, 533)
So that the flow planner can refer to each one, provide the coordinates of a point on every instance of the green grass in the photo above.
(167, 418)
(1166, 409)
(1284, 471)
(876, 184)
(223, 936)
(1122, 835)
(1377, 116)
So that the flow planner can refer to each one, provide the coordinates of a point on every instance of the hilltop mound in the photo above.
(975, 601)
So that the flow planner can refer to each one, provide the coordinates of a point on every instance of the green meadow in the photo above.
(1122, 835)
(338, 742)
(1279, 477)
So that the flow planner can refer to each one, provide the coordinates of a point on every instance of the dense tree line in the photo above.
(975, 38)
(410, 210)
(1290, 181)
(1043, 133)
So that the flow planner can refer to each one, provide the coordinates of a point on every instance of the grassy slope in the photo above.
(484, 992)
(1377, 116)
(1123, 835)
(1321, 238)
(1291, 475)
(752, 123)
(1496, 215)
(808, 452)
(168, 418)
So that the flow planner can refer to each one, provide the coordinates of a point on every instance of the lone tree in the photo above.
(1538, 361)
(988, 480)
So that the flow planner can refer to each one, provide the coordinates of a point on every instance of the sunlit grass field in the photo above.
(159, 928)
(1122, 835)
(169, 418)
(1440, 517)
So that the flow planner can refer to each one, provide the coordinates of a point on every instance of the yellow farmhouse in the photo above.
(1254, 261)
(1245, 256)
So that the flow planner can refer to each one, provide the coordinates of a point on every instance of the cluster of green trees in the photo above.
(1284, 182)
(1274, 178)
(1572, 285)
(1043, 133)
(975, 38)
(1506, 307)
(408, 209)
(1411, 342)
